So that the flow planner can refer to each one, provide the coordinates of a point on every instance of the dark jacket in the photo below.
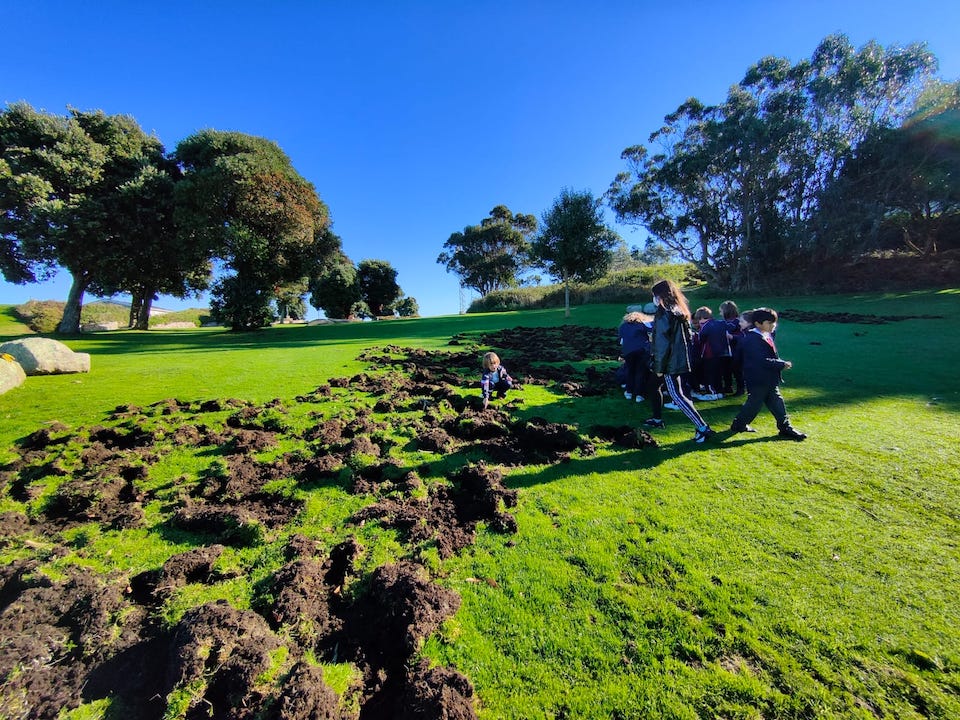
(714, 342)
(761, 363)
(671, 343)
(634, 337)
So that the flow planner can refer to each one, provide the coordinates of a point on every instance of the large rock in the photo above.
(43, 356)
(11, 374)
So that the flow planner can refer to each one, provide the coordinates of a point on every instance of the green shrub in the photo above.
(41, 316)
(195, 315)
(102, 312)
(623, 286)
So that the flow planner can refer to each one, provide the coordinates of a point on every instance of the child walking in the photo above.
(671, 351)
(494, 378)
(762, 368)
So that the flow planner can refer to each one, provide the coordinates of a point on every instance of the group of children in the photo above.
(665, 348)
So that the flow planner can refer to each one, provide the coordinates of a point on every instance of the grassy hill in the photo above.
(608, 575)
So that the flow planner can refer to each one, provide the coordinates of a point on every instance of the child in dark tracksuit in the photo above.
(762, 369)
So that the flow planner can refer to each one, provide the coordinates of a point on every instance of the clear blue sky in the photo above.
(414, 119)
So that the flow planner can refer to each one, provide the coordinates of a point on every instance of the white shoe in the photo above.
(628, 396)
(670, 406)
(639, 398)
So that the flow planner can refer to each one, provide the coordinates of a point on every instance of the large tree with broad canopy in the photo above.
(242, 200)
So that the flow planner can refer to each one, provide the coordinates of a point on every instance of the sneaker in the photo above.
(670, 406)
(703, 435)
(791, 433)
(628, 395)
(654, 423)
(734, 428)
(638, 398)
(701, 396)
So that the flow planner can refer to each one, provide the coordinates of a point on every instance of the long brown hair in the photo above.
(672, 297)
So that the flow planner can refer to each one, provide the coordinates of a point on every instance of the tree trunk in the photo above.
(566, 298)
(70, 324)
(136, 301)
(143, 317)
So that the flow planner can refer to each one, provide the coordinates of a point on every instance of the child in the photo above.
(694, 383)
(494, 377)
(671, 350)
(734, 372)
(635, 348)
(762, 369)
(715, 349)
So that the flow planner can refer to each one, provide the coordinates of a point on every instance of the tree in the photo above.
(289, 299)
(408, 307)
(241, 199)
(91, 193)
(734, 186)
(573, 243)
(378, 286)
(336, 289)
(490, 255)
(151, 257)
(900, 190)
(61, 178)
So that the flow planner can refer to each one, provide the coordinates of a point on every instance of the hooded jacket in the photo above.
(671, 343)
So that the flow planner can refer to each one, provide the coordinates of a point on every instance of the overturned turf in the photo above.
(72, 634)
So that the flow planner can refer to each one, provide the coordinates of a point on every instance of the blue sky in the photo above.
(414, 119)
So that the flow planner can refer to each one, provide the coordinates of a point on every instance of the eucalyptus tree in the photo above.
(242, 202)
(900, 190)
(489, 256)
(573, 243)
(734, 186)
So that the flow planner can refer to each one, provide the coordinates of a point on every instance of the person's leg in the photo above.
(654, 389)
(748, 411)
(726, 375)
(776, 406)
(779, 410)
(683, 402)
(502, 386)
(632, 362)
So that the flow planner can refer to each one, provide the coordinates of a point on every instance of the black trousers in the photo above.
(638, 367)
(757, 397)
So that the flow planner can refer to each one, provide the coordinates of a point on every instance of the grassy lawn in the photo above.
(749, 578)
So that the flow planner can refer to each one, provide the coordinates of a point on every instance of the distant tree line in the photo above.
(96, 196)
(801, 166)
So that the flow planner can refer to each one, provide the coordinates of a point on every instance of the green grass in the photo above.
(747, 579)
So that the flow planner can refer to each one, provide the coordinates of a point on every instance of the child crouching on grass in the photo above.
(762, 369)
(494, 378)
